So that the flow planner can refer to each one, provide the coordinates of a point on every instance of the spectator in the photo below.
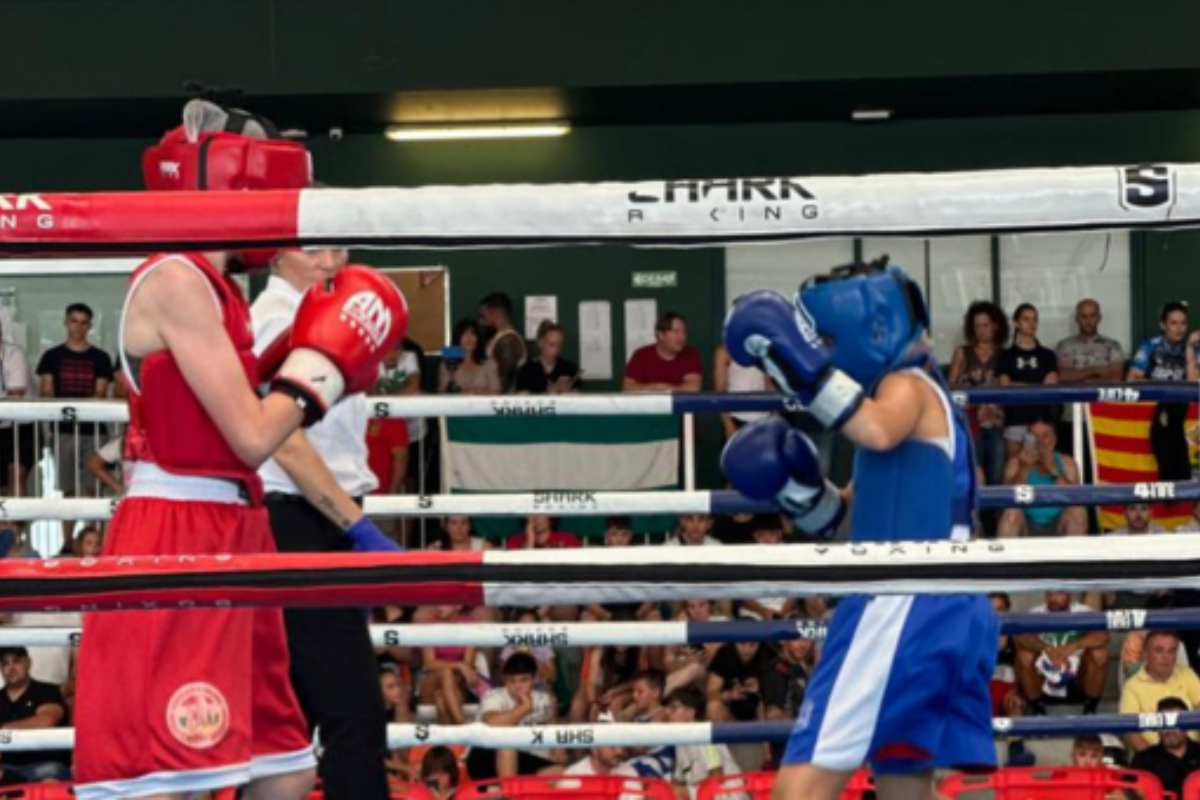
(975, 363)
(785, 680)
(606, 684)
(693, 531)
(1161, 676)
(450, 675)
(472, 372)
(1166, 358)
(88, 542)
(735, 528)
(1006, 700)
(108, 466)
(397, 697)
(1038, 463)
(1066, 665)
(1026, 361)
(734, 684)
(1087, 751)
(768, 530)
(696, 763)
(1175, 757)
(668, 365)
(618, 532)
(687, 665)
(1139, 519)
(515, 703)
(28, 704)
(388, 438)
(542, 653)
(548, 373)
(14, 540)
(16, 440)
(440, 772)
(646, 696)
(730, 376)
(457, 535)
(75, 370)
(539, 534)
(598, 761)
(505, 345)
(1089, 356)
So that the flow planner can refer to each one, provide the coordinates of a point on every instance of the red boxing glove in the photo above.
(342, 331)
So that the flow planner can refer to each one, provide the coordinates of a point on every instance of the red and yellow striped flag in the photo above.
(1121, 446)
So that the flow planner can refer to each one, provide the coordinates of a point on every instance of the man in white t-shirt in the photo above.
(696, 763)
(515, 704)
(693, 531)
(1067, 665)
(1138, 519)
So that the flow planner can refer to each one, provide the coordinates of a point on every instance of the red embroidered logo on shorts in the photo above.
(198, 715)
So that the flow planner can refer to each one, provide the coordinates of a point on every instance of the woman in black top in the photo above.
(548, 374)
(1025, 362)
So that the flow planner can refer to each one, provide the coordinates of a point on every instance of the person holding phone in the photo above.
(549, 374)
(1038, 463)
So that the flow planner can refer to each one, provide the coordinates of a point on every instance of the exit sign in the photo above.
(655, 280)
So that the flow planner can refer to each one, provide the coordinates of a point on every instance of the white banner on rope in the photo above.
(705, 211)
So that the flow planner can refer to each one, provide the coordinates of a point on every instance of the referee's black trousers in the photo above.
(334, 672)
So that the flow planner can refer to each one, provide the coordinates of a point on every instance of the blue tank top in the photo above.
(1044, 516)
(920, 491)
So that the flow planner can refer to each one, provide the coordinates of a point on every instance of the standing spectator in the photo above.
(668, 365)
(1038, 463)
(1066, 665)
(390, 440)
(549, 373)
(471, 371)
(539, 534)
(1161, 676)
(1026, 361)
(1165, 358)
(16, 440)
(1088, 356)
(75, 370)
(1175, 757)
(734, 683)
(975, 363)
(505, 345)
(693, 531)
(515, 703)
(785, 680)
(25, 705)
(730, 376)
(696, 763)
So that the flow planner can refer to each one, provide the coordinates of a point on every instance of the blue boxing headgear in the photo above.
(873, 318)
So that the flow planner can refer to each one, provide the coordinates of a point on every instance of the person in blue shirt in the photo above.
(903, 683)
(1170, 356)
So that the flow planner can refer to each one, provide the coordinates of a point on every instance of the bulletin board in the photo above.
(427, 291)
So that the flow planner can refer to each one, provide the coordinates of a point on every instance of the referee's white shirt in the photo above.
(341, 437)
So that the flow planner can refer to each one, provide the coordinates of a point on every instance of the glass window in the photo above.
(782, 267)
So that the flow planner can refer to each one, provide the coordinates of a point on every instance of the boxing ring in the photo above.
(650, 214)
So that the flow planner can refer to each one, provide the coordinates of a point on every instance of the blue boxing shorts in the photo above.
(903, 683)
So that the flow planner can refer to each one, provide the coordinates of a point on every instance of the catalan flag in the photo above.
(1121, 449)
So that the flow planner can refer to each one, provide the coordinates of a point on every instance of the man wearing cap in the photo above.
(26, 705)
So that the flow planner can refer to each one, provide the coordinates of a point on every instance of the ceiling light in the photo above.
(421, 133)
(871, 114)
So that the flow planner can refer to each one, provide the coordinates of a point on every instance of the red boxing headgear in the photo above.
(193, 157)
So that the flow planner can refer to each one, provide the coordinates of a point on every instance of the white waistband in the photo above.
(151, 480)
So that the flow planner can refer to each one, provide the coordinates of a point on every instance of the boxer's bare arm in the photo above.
(174, 308)
(903, 407)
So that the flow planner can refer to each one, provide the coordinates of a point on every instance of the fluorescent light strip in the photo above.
(418, 134)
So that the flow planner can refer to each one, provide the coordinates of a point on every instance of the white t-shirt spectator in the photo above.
(500, 701)
(693, 763)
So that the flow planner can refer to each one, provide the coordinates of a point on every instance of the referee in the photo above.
(314, 486)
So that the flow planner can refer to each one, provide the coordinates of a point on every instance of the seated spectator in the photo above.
(515, 703)
(505, 345)
(976, 363)
(108, 466)
(14, 540)
(668, 365)
(1006, 700)
(88, 542)
(687, 665)
(539, 534)
(473, 372)
(450, 676)
(647, 695)
(734, 684)
(606, 684)
(785, 680)
(439, 772)
(457, 535)
(1026, 362)
(1087, 751)
(696, 763)
(1160, 677)
(548, 373)
(618, 532)
(1175, 757)
(1139, 518)
(27, 704)
(693, 531)
(768, 530)
(1067, 666)
(396, 700)
(543, 653)
(1038, 463)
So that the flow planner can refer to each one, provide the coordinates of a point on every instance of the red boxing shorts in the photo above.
(191, 700)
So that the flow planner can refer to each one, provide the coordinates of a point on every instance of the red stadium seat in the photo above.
(38, 791)
(1054, 783)
(397, 790)
(758, 785)
(566, 787)
(1191, 787)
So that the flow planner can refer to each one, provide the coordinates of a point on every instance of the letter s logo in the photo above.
(1147, 186)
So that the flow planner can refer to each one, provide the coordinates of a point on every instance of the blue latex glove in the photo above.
(367, 538)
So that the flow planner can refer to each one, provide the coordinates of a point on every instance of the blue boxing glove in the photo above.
(764, 329)
(770, 460)
(367, 538)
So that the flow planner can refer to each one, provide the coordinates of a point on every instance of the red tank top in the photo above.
(167, 424)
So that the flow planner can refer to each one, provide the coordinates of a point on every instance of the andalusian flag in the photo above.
(1121, 446)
